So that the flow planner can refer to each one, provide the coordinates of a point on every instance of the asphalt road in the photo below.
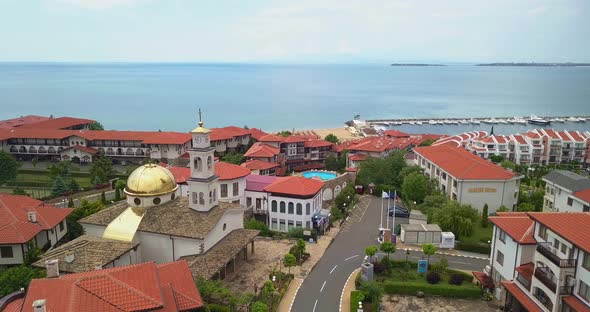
(322, 288)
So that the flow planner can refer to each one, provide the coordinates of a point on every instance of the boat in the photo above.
(538, 121)
(411, 122)
(463, 122)
(502, 121)
(474, 121)
(432, 122)
(418, 122)
(557, 120)
(518, 120)
(440, 122)
(575, 119)
(490, 121)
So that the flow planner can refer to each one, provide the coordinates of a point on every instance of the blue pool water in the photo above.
(322, 175)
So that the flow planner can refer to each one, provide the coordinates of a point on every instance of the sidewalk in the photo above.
(446, 252)
(347, 290)
(289, 297)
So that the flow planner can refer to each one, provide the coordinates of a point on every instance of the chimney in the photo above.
(52, 268)
(32, 216)
(39, 305)
(70, 257)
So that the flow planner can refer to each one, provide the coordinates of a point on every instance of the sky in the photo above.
(294, 31)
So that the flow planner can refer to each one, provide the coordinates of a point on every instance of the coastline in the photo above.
(341, 133)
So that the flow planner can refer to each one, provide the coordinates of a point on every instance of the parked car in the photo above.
(400, 212)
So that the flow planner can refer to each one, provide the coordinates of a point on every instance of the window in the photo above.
(223, 190)
(282, 225)
(248, 201)
(157, 201)
(291, 208)
(224, 226)
(258, 203)
(274, 224)
(299, 209)
(236, 189)
(502, 236)
(307, 209)
(290, 225)
(556, 244)
(6, 252)
(298, 224)
(282, 205)
(564, 249)
(500, 258)
(543, 232)
(586, 262)
(274, 206)
(137, 201)
(570, 201)
(444, 176)
(62, 225)
(584, 291)
(586, 208)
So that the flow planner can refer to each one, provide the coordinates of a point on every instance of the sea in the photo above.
(273, 97)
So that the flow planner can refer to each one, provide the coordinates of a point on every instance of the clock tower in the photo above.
(203, 181)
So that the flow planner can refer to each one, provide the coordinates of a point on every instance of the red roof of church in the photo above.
(298, 186)
(15, 227)
(262, 150)
(227, 133)
(138, 287)
(572, 226)
(58, 123)
(462, 164)
(227, 171)
(259, 165)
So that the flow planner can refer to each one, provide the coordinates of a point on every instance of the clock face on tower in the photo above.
(197, 140)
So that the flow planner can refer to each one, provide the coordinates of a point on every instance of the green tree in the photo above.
(73, 186)
(388, 247)
(289, 260)
(259, 306)
(336, 163)
(268, 290)
(298, 250)
(429, 250)
(381, 171)
(525, 207)
(416, 187)
(432, 202)
(456, 218)
(331, 138)
(85, 209)
(32, 254)
(19, 191)
(59, 187)
(496, 158)
(502, 209)
(61, 169)
(484, 216)
(117, 194)
(8, 167)
(285, 133)
(15, 278)
(427, 142)
(101, 170)
(371, 251)
(95, 126)
(254, 224)
(373, 291)
(233, 158)
(508, 164)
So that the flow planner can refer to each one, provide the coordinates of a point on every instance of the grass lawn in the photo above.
(45, 178)
(480, 235)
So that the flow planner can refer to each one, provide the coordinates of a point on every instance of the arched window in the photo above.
(201, 198)
(210, 197)
(197, 164)
(307, 209)
(209, 162)
(291, 208)
(195, 198)
(299, 209)
(215, 195)
(282, 207)
(22, 150)
(273, 206)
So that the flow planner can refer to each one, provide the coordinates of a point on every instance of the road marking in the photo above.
(315, 304)
(324, 284)
(294, 296)
(334, 268)
(351, 257)
(459, 262)
(344, 288)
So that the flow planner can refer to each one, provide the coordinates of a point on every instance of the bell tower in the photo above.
(203, 181)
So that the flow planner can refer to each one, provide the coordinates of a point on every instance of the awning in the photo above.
(522, 297)
(576, 304)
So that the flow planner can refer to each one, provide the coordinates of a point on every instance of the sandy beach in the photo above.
(341, 133)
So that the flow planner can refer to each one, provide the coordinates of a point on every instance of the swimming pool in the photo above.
(321, 174)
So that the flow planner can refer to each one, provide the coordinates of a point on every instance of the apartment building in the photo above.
(566, 191)
(468, 178)
(230, 139)
(541, 261)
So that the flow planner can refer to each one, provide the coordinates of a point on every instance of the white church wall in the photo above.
(231, 220)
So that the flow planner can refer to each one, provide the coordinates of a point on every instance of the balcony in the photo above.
(548, 251)
(545, 278)
(566, 290)
(523, 281)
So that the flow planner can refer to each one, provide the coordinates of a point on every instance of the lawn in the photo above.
(480, 234)
(43, 178)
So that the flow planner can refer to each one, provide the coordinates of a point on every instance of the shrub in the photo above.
(456, 279)
(407, 275)
(440, 267)
(296, 232)
(433, 278)
(466, 277)
(259, 306)
(386, 262)
(355, 297)
(443, 290)
(254, 224)
(379, 268)
(217, 308)
(474, 247)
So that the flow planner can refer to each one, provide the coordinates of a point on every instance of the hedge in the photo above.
(474, 247)
(466, 276)
(442, 289)
(355, 297)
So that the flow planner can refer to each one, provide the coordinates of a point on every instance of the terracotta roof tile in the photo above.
(522, 297)
(297, 186)
(564, 136)
(14, 306)
(227, 171)
(259, 165)
(462, 164)
(576, 136)
(520, 228)
(526, 270)
(20, 121)
(261, 150)
(257, 183)
(396, 134)
(58, 123)
(572, 226)
(185, 291)
(181, 174)
(270, 138)
(257, 133)
(583, 195)
(519, 139)
(227, 133)
(317, 143)
(357, 157)
(551, 133)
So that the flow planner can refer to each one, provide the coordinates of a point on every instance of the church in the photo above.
(154, 224)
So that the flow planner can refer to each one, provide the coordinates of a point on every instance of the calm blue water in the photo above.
(275, 97)
(320, 174)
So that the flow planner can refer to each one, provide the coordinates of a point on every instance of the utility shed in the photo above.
(420, 234)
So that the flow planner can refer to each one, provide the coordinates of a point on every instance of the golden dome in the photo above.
(150, 180)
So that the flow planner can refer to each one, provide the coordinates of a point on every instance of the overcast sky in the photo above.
(302, 31)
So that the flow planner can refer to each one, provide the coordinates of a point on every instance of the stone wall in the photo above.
(334, 186)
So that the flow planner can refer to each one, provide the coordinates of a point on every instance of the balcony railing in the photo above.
(523, 281)
(545, 279)
(547, 250)
(566, 290)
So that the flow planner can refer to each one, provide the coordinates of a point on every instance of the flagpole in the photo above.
(388, 201)
(381, 213)
(394, 199)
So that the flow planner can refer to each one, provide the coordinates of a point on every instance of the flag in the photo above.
(384, 195)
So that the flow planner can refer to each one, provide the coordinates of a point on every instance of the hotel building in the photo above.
(566, 191)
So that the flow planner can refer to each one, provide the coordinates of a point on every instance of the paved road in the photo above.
(322, 288)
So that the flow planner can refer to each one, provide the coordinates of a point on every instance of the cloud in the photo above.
(100, 4)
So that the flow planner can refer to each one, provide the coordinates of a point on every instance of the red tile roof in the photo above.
(526, 270)
(520, 227)
(317, 143)
(583, 195)
(58, 123)
(551, 133)
(532, 135)
(297, 186)
(564, 136)
(462, 164)
(86, 149)
(270, 138)
(257, 133)
(500, 139)
(15, 228)
(352, 169)
(227, 133)
(257, 183)
(181, 174)
(576, 136)
(396, 134)
(128, 288)
(572, 226)
(522, 297)
(259, 165)
(377, 144)
(14, 306)
(357, 157)
(519, 139)
(227, 171)
(576, 304)
(20, 121)
(294, 139)
(166, 138)
(261, 150)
